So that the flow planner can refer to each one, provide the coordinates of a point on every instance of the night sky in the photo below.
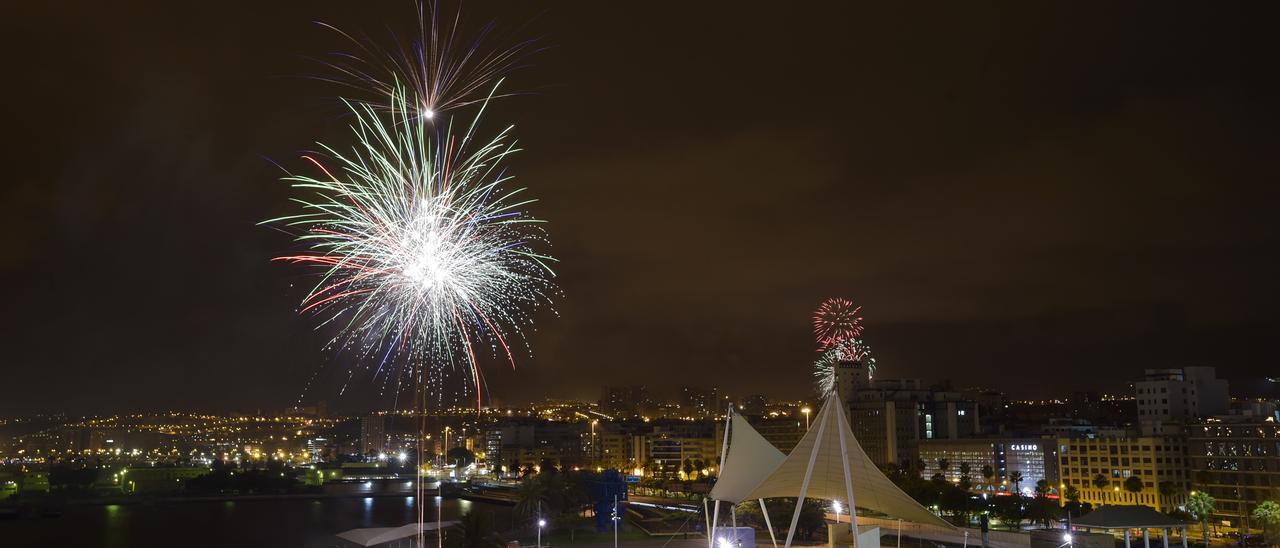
(1030, 198)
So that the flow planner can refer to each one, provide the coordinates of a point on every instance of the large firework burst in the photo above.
(836, 321)
(425, 256)
(851, 350)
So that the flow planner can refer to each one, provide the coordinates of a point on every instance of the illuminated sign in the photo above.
(1024, 447)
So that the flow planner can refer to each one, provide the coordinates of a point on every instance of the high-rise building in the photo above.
(669, 447)
(701, 401)
(851, 376)
(1035, 459)
(783, 432)
(624, 401)
(1099, 468)
(891, 416)
(373, 434)
(1168, 398)
(1238, 463)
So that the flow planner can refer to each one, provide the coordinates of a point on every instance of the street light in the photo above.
(541, 523)
(806, 412)
(835, 505)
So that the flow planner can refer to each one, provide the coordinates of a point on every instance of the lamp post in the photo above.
(806, 412)
(541, 523)
(835, 506)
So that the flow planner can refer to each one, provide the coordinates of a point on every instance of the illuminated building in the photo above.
(373, 435)
(1168, 398)
(891, 417)
(1237, 463)
(670, 446)
(1034, 458)
(698, 401)
(1155, 460)
(783, 432)
(624, 401)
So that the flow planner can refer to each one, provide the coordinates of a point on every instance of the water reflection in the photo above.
(292, 521)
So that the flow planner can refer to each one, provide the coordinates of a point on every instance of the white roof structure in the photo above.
(373, 536)
(828, 463)
(749, 460)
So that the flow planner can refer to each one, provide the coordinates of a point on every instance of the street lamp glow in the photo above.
(542, 523)
(1066, 537)
(835, 505)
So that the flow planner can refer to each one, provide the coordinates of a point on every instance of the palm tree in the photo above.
(987, 473)
(1073, 499)
(1133, 484)
(1042, 488)
(944, 464)
(1168, 490)
(1268, 513)
(472, 531)
(1100, 482)
(1015, 476)
(1201, 505)
(532, 492)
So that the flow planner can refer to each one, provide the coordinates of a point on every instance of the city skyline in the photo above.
(1000, 192)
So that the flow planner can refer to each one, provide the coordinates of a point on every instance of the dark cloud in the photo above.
(1036, 198)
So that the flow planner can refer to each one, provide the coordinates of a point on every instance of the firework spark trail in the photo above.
(440, 69)
(836, 321)
(424, 252)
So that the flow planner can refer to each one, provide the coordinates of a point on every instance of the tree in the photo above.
(1073, 500)
(1133, 484)
(1015, 477)
(1268, 513)
(1011, 510)
(987, 473)
(460, 456)
(688, 468)
(1100, 482)
(1168, 490)
(966, 482)
(473, 530)
(529, 496)
(1202, 505)
(1044, 510)
(547, 466)
(1042, 488)
(944, 464)
(955, 500)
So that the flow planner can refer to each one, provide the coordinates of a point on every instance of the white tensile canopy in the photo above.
(828, 463)
(373, 536)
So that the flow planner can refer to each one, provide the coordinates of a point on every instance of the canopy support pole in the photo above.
(724, 453)
(706, 516)
(848, 478)
(768, 524)
(732, 520)
(715, 518)
(804, 486)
